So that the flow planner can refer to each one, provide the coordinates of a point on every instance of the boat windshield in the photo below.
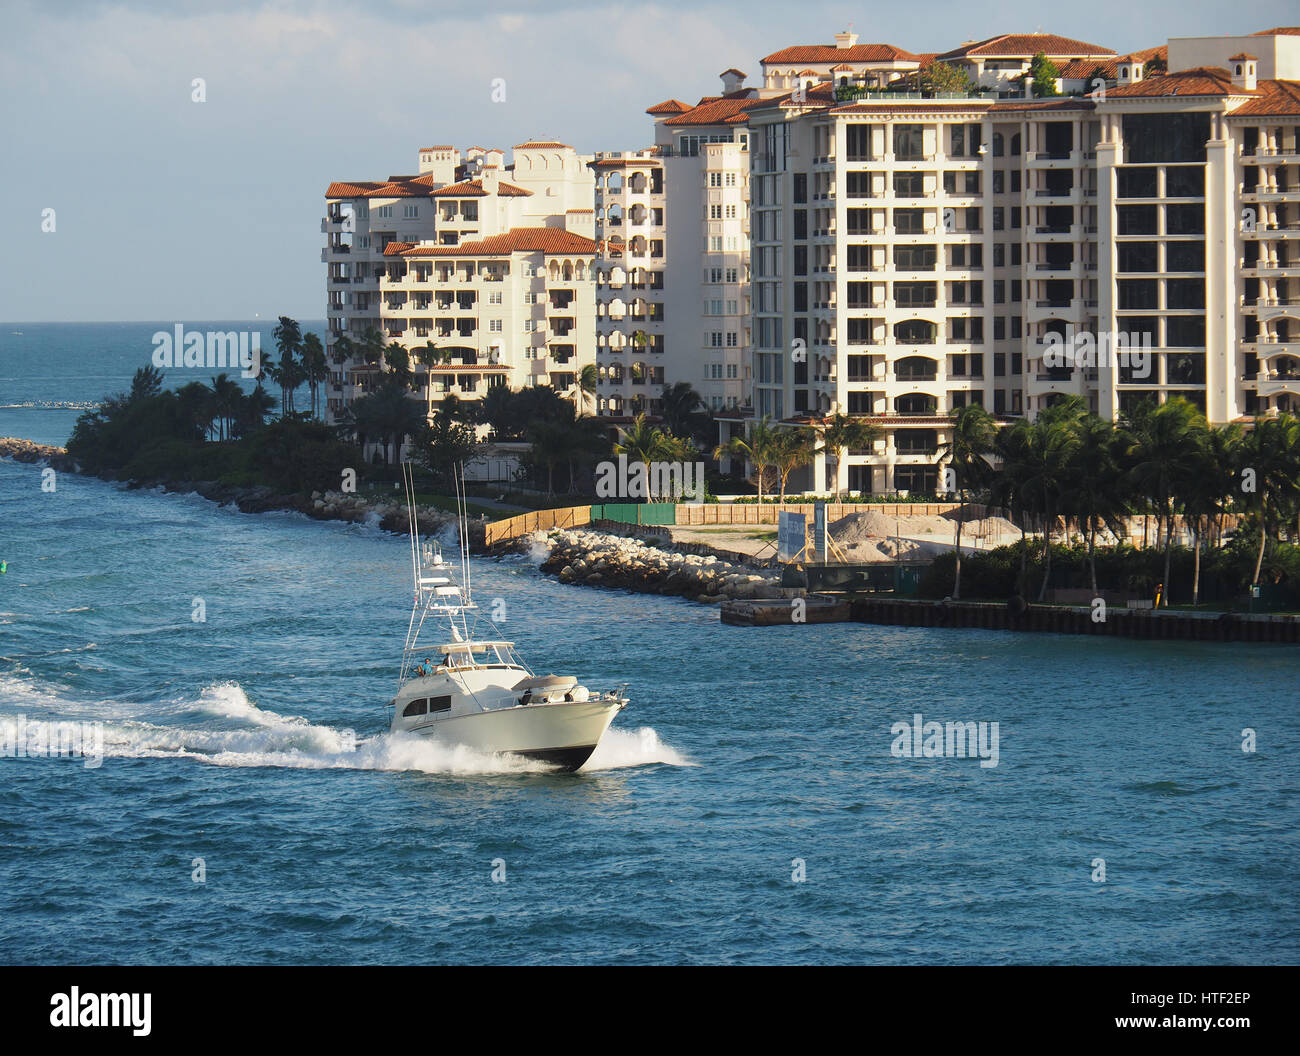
(479, 654)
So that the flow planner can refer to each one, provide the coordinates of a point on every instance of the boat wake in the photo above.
(223, 727)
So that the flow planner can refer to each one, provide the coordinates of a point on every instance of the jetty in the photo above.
(1015, 615)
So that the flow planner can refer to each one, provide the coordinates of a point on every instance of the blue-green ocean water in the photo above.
(742, 750)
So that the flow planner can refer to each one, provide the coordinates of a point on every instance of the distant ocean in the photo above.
(52, 372)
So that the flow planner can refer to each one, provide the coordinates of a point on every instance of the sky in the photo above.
(165, 208)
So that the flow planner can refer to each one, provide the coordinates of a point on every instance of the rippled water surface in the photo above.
(742, 750)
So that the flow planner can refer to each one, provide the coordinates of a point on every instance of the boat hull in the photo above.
(563, 734)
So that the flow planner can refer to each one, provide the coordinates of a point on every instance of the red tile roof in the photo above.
(1017, 45)
(1077, 69)
(1011, 106)
(1279, 31)
(446, 146)
(550, 240)
(542, 144)
(1275, 97)
(738, 73)
(474, 189)
(1205, 80)
(717, 110)
(831, 53)
(669, 106)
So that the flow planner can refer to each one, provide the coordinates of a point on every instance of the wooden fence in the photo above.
(535, 521)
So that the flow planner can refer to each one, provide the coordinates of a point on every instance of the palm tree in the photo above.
(683, 410)
(1008, 488)
(1270, 456)
(1096, 486)
(974, 433)
(1164, 454)
(226, 396)
(756, 447)
(793, 448)
(398, 360)
(647, 444)
(1208, 490)
(839, 432)
(315, 368)
(287, 373)
(588, 376)
(386, 415)
(1052, 441)
(372, 347)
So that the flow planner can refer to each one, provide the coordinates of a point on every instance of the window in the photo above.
(1165, 137)
(494, 326)
(416, 707)
(1131, 182)
(1185, 219)
(1135, 219)
(1184, 256)
(909, 143)
(909, 221)
(439, 704)
(914, 258)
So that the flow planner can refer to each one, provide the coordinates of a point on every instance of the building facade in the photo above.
(843, 238)
(483, 272)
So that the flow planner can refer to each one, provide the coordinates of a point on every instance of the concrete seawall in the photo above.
(1003, 616)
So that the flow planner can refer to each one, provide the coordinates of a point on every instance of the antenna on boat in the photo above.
(408, 485)
(462, 527)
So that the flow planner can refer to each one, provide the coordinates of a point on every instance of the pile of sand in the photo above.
(861, 534)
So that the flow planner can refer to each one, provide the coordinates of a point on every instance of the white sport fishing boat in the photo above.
(477, 692)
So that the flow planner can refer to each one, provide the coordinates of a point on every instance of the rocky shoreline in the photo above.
(321, 506)
(30, 453)
(598, 559)
(580, 557)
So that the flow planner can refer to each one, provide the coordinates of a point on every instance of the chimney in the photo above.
(1243, 71)
(732, 80)
(488, 177)
(845, 40)
(1129, 70)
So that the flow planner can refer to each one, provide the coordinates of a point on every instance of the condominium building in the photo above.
(835, 239)
(914, 254)
(630, 282)
(484, 272)
(673, 224)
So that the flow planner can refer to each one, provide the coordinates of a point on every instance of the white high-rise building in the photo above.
(926, 251)
(482, 271)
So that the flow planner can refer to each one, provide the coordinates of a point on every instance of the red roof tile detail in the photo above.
(1206, 80)
(517, 240)
(1281, 98)
(669, 106)
(1016, 45)
(831, 53)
